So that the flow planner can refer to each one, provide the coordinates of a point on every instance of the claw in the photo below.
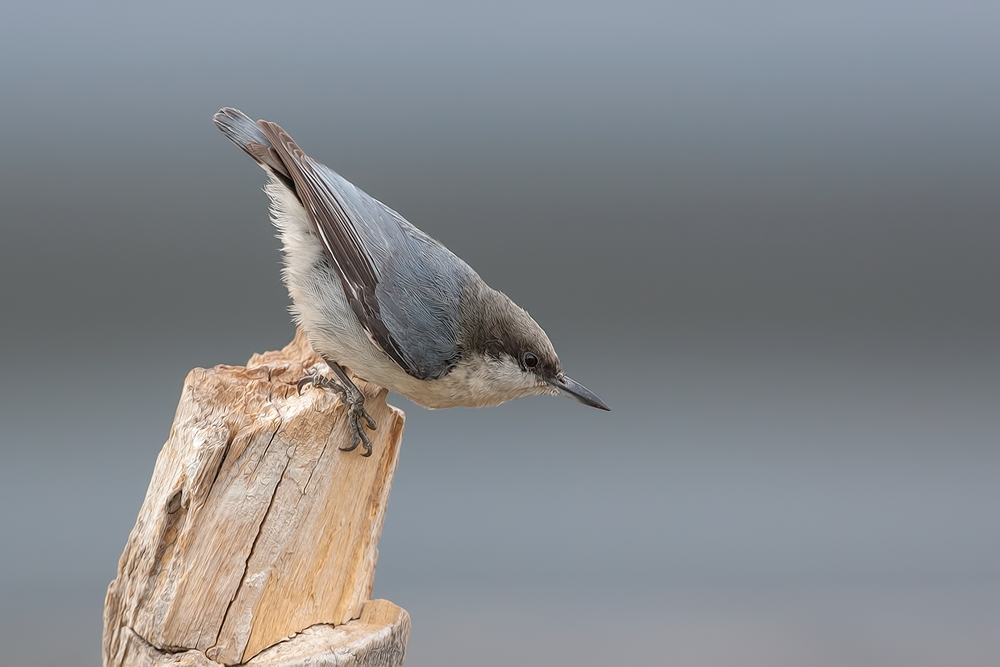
(359, 438)
(322, 382)
(355, 414)
(365, 441)
(356, 406)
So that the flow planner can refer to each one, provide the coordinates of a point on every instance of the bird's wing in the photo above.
(420, 291)
(344, 247)
(403, 286)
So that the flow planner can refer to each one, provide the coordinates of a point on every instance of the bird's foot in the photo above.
(322, 382)
(355, 412)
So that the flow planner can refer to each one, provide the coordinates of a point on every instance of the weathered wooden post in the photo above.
(257, 541)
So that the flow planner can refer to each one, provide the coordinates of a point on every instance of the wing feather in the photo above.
(343, 245)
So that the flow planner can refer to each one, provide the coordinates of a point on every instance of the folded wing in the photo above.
(402, 285)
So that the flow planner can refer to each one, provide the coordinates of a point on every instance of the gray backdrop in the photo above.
(766, 234)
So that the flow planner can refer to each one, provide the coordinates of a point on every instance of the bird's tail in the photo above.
(247, 134)
(240, 129)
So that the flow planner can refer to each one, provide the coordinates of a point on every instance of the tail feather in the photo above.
(246, 134)
(239, 128)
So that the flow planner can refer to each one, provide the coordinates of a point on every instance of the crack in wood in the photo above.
(255, 526)
(256, 539)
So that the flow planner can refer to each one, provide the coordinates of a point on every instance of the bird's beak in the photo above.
(567, 386)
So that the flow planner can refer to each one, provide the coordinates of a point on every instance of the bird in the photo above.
(380, 299)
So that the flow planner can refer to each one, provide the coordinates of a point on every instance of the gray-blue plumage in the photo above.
(376, 295)
(404, 286)
(419, 282)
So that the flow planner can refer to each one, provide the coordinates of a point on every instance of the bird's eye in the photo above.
(530, 360)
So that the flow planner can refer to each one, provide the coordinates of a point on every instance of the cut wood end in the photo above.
(296, 360)
(255, 525)
(375, 640)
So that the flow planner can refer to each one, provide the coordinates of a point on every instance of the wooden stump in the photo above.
(256, 528)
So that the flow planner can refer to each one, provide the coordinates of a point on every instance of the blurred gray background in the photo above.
(766, 234)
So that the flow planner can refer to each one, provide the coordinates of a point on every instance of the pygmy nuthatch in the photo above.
(376, 295)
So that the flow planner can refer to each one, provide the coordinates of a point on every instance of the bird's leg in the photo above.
(355, 401)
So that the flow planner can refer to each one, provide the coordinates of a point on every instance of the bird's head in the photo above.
(510, 355)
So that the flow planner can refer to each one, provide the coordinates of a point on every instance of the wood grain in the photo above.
(255, 526)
